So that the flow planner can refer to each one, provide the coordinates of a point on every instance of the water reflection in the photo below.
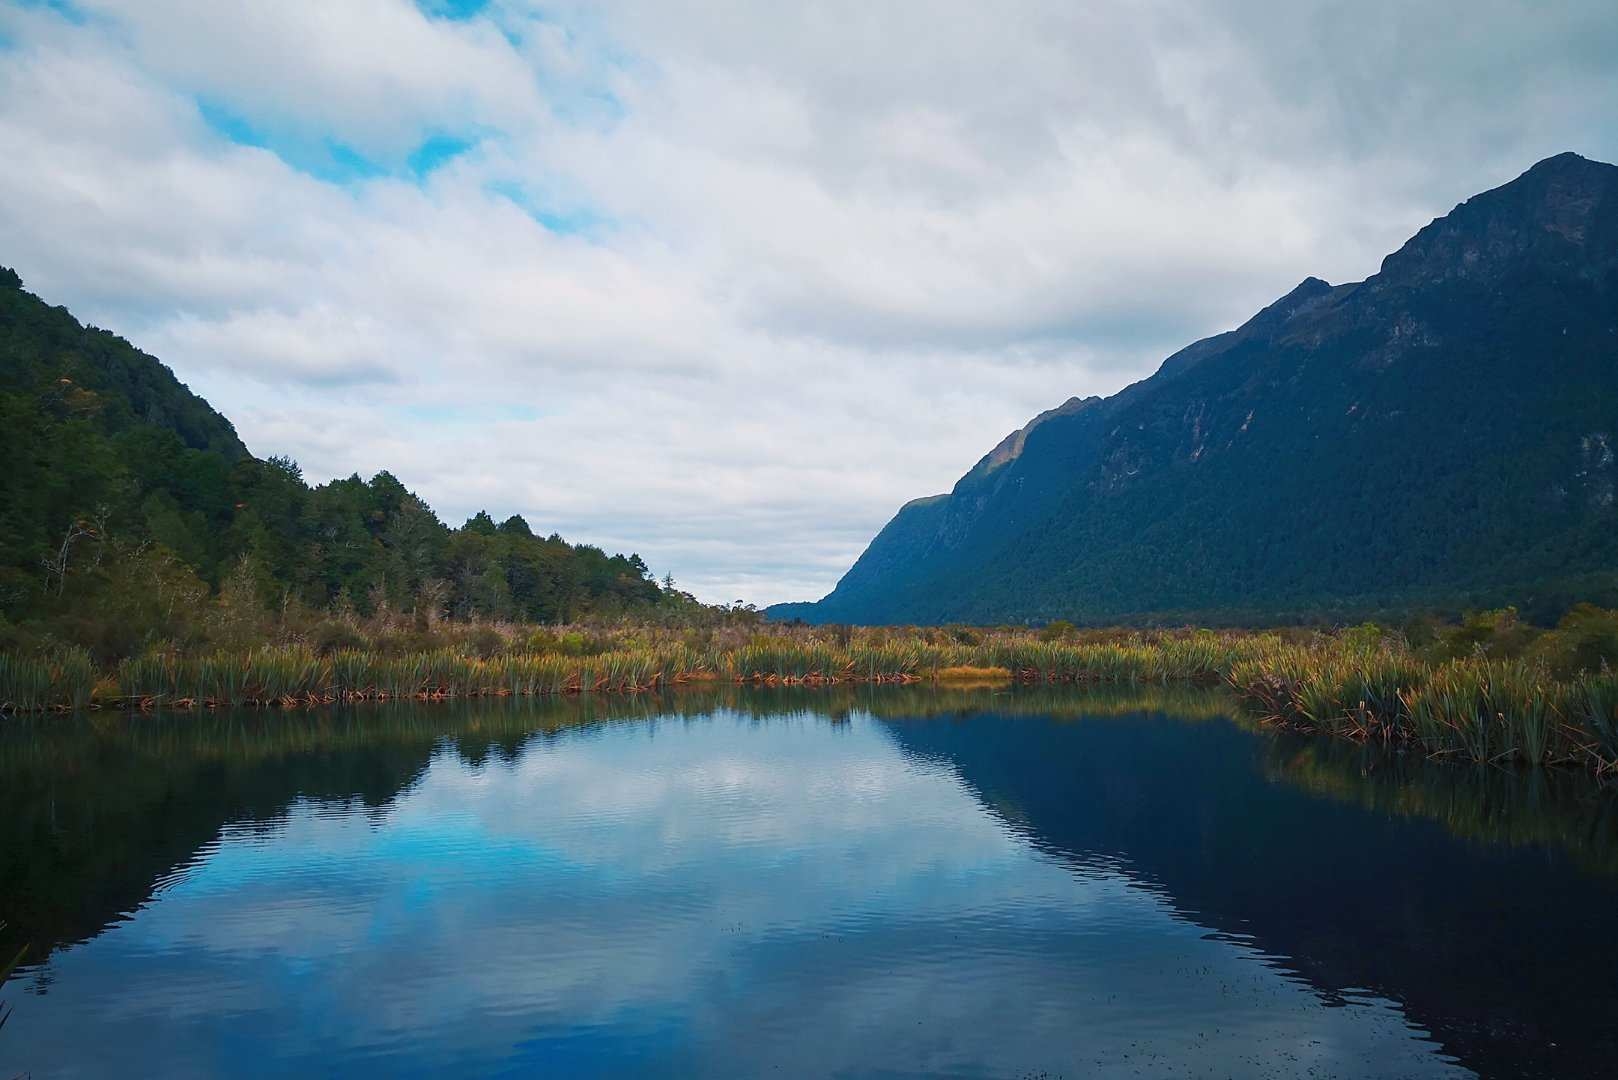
(740, 883)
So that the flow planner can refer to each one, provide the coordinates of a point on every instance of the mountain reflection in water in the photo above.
(738, 881)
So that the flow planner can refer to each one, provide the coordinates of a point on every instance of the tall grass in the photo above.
(1334, 686)
(63, 679)
(1356, 684)
(1593, 706)
(1479, 710)
(1492, 710)
(295, 674)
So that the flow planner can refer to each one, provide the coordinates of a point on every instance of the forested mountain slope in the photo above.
(128, 498)
(1440, 434)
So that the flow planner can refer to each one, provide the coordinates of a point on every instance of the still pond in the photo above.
(839, 882)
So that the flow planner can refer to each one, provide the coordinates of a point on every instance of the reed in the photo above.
(1357, 684)
(63, 679)
(1331, 687)
(1595, 706)
(1492, 710)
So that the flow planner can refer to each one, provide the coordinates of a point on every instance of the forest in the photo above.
(1438, 437)
(136, 518)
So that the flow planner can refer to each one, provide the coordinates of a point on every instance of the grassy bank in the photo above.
(299, 674)
(1508, 697)
(1476, 709)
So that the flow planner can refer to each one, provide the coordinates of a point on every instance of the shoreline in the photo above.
(1367, 688)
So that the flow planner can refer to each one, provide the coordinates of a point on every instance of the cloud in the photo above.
(372, 74)
(755, 276)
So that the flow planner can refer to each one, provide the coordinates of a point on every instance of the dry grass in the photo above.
(968, 673)
(1359, 685)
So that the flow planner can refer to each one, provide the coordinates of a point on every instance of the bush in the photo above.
(484, 642)
(334, 636)
(1060, 630)
(1585, 642)
(1487, 635)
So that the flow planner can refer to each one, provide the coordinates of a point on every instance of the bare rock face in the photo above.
(1435, 435)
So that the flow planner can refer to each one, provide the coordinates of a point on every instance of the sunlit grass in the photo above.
(1355, 684)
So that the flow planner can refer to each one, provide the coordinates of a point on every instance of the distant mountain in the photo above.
(1438, 435)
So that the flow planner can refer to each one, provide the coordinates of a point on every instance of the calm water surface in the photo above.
(873, 883)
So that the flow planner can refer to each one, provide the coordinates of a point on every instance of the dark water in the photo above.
(885, 882)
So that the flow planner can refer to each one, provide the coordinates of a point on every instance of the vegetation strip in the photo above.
(1363, 684)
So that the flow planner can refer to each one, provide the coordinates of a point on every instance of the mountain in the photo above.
(1441, 434)
(91, 423)
(128, 499)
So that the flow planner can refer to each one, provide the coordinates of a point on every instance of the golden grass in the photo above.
(968, 673)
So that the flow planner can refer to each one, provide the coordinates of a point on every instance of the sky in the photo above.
(721, 283)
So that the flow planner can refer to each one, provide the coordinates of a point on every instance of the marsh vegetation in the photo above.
(1488, 689)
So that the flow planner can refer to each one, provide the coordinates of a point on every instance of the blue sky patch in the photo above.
(65, 8)
(232, 126)
(435, 152)
(324, 159)
(556, 217)
(453, 9)
(341, 164)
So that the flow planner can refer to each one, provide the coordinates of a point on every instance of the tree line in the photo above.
(134, 513)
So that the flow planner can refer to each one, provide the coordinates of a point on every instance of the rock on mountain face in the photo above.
(1440, 434)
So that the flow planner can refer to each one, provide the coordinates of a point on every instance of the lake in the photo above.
(844, 882)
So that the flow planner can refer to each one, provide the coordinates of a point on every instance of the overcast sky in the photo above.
(726, 283)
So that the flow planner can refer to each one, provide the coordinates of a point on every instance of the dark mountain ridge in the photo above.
(1438, 435)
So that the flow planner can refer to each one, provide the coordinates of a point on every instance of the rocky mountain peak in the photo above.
(1549, 214)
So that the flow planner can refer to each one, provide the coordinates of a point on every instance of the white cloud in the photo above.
(370, 73)
(803, 263)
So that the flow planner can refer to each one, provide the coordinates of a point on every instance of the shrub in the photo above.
(1060, 630)
(1491, 635)
(484, 642)
(1585, 641)
(333, 635)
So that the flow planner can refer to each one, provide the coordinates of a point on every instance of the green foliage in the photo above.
(1595, 708)
(1059, 630)
(1362, 683)
(130, 502)
(1441, 437)
(1495, 635)
(335, 635)
(485, 642)
(1490, 710)
(63, 678)
(1585, 641)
